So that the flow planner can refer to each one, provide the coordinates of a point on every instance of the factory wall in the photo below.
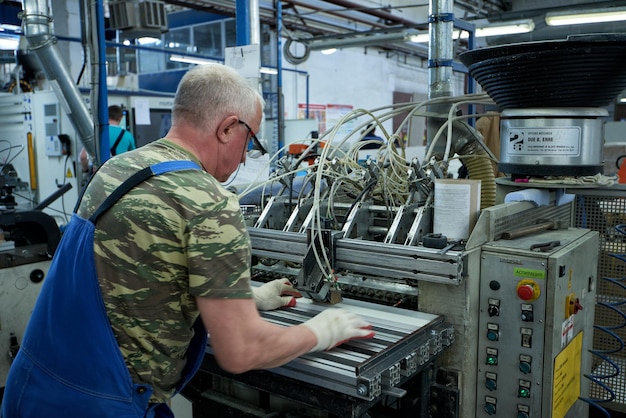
(361, 78)
(352, 76)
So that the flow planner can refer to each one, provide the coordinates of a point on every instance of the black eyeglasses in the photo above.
(255, 141)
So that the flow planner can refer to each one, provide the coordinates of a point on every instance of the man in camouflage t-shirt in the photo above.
(157, 255)
(155, 252)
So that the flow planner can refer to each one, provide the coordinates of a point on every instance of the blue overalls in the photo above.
(69, 364)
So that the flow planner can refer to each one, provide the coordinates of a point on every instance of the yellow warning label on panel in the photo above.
(566, 379)
(69, 173)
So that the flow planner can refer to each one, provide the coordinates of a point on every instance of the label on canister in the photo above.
(564, 141)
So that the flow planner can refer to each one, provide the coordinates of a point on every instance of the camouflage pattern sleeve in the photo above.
(222, 234)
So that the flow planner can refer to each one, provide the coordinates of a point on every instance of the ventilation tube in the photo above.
(466, 143)
(36, 26)
(479, 168)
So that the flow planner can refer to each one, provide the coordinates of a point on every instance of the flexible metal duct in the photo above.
(465, 142)
(465, 138)
(37, 30)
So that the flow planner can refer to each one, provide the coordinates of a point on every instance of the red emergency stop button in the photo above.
(525, 292)
(528, 290)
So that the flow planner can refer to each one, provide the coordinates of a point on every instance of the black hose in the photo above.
(292, 59)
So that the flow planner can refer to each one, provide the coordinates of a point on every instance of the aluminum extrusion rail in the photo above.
(365, 369)
(366, 257)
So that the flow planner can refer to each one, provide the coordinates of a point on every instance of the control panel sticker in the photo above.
(567, 331)
(529, 273)
(566, 386)
(563, 141)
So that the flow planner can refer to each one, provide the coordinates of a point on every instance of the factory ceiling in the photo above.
(324, 19)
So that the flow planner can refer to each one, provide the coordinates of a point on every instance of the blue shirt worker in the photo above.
(120, 139)
(374, 141)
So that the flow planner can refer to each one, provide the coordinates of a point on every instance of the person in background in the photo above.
(369, 135)
(156, 255)
(120, 140)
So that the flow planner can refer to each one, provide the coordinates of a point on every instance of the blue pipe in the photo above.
(242, 22)
(279, 80)
(102, 99)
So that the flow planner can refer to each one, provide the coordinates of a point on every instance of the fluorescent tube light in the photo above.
(583, 17)
(148, 40)
(9, 42)
(510, 29)
(328, 51)
(268, 70)
(192, 60)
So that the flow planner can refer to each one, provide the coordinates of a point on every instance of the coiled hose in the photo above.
(479, 167)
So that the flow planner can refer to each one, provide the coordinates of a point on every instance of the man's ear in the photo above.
(226, 128)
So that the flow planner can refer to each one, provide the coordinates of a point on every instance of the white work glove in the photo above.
(334, 327)
(275, 294)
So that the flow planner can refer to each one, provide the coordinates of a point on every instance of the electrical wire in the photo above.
(337, 176)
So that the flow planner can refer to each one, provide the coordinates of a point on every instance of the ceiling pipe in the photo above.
(255, 22)
(267, 14)
(338, 13)
(363, 40)
(37, 31)
(99, 91)
(388, 17)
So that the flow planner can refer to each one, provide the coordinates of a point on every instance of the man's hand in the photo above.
(275, 294)
(334, 327)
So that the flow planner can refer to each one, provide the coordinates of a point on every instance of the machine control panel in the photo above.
(525, 297)
(512, 314)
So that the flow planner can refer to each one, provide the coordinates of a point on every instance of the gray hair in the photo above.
(207, 93)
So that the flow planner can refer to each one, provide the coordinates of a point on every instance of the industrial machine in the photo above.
(38, 190)
(516, 297)
(554, 134)
(40, 154)
(476, 327)
(513, 301)
(19, 287)
(532, 293)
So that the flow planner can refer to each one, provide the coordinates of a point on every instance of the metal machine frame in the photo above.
(447, 283)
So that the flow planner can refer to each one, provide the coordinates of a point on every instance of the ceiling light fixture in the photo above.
(192, 60)
(510, 28)
(329, 51)
(580, 17)
(9, 42)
